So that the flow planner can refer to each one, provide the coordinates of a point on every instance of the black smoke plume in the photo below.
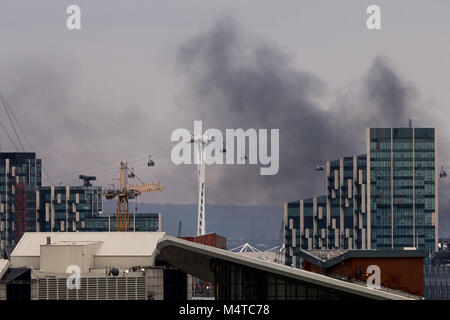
(237, 81)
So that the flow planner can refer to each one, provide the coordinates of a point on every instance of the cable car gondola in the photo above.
(150, 162)
(443, 173)
(319, 167)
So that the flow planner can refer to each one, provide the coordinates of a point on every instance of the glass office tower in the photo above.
(402, 188)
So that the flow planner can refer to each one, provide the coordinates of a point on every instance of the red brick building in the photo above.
(200, 287)
(399, 269)
(210, 239)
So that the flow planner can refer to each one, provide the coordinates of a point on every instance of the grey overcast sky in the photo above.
(137, 70)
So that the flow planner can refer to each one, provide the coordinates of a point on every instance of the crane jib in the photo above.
(128, 192)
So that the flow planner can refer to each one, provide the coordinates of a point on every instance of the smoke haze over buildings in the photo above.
(91, 99)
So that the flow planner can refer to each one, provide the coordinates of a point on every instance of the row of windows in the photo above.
(82, 196)
(150, 224)
(78, 207)
(380, 145)
(401, 182)
(383, 184)
(376, 156)
(402, 133)
(402, 145)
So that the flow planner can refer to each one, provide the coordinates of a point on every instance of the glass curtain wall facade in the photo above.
(20, 176)
(346, 203)
(384, 199)
(27, 206)
(66, 208)
(79, 208)
(149, 222)
(403, 188)
(237, 282)
(306, 227)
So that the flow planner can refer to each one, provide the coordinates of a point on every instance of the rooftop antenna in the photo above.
(86, 179)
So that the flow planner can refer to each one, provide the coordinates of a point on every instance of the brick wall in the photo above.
(405, 274)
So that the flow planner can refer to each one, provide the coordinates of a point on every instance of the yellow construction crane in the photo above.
(126, 192)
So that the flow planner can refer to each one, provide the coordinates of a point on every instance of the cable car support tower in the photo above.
(200, 142)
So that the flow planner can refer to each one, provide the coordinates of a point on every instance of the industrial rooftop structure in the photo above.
(110, 265)
(99, 249)
(156, 266)
(328, 258)
(399, 270)
(221, 266)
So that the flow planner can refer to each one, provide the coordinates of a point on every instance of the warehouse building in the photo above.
(109, 265)
(20, 177)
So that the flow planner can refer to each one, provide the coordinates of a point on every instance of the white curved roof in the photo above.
(194, 258)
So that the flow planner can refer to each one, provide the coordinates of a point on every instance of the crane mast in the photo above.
(125, 192)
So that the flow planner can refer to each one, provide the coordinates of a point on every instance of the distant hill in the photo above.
(260, 226)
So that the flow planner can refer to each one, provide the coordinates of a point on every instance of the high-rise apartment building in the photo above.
(79, 209)
(20, 176)
(384, 199)
(65, 208)
(27, 206)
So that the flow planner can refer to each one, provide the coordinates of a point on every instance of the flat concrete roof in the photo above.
(73, 243)
(194, 259)
(111, 243)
